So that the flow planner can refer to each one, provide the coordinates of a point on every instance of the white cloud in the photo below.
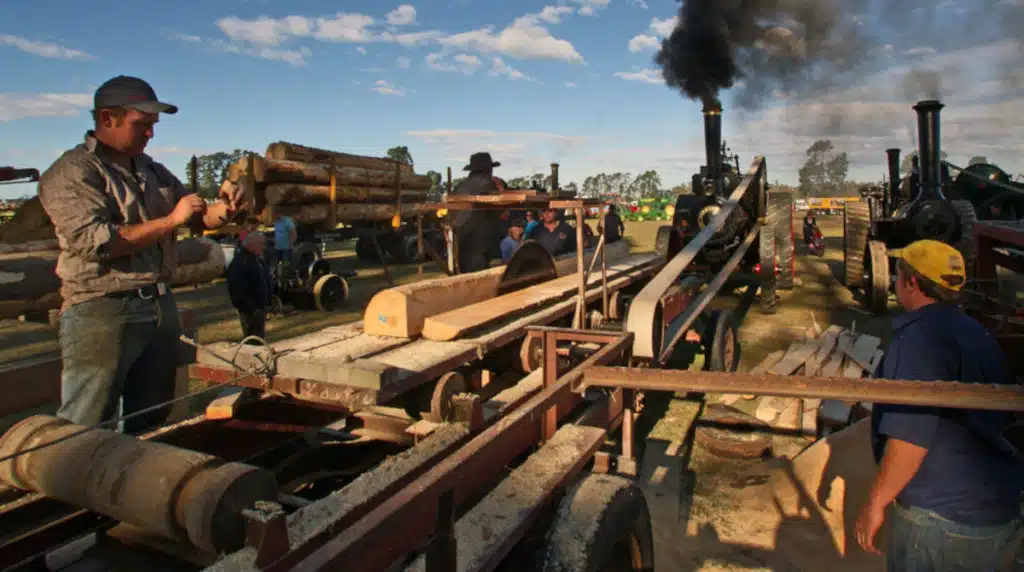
(361, 50)
(263, 30)
(639, 3)
(663, 28)
(570, 84)
(920, 51)
(499, 68)
(403, 62)
(384, 88)
(344, 27)
(465, 63)
(656, 31)
(553, 14)
(14, 106)
(44, 49)
(404, 15)
(295, 57)
(591, 7)
(646, 75)
(643, 42)
(525, 38)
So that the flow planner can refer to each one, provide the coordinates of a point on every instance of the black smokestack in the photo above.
(713, 142)
(893, 156)
(928, 148)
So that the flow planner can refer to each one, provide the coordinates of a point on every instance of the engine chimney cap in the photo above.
(929, 105)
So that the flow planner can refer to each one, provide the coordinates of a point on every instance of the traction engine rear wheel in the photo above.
(782, 203)
(766, 253)
(876, 290)
(603, 525)
(856, 227)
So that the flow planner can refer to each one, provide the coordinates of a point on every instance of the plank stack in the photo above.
(296, 180)
(836, 352)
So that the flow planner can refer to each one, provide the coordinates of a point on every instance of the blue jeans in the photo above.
(922, 541)
(118, 352)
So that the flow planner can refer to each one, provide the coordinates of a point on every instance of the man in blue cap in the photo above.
(116, 213)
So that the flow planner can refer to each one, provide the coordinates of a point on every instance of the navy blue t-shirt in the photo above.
(558, 241)
(971, 473)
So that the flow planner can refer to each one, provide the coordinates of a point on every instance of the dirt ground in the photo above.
(709, 514)
(712, 514)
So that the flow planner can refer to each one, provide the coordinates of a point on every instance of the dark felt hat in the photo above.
(480, 162)
(131, 92)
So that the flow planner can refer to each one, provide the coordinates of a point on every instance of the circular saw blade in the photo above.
(529, 266)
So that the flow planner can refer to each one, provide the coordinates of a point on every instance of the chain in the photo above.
(262, 370)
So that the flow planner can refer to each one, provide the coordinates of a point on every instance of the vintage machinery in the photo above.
(307, 282)
(994, 195)
(918, 207)
(712, 190)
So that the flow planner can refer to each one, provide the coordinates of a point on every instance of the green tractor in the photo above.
(655, 209)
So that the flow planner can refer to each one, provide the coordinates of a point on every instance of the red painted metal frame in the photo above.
(988, 236)
(404, 522)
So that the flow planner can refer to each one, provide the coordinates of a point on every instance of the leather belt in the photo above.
(147, 292)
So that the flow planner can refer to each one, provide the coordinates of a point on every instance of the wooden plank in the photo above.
(766, 364)
(402, 310)
(796, 356)
(827, 344)
(229, 401)
(863, 349)
(459, 322)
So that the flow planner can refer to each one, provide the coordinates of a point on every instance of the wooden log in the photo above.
(292, 193)
(279, 171)
(401, 311)
(285, 151)
(30, 246)
(318, 214)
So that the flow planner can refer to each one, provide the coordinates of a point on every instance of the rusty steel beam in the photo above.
(403, 523)
(947, 394)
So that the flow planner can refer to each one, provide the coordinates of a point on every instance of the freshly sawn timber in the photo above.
(401, 311)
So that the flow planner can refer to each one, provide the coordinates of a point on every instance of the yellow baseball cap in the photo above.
(936, 261)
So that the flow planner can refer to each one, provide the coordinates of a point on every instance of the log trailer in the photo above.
(393, 444)
(919, 207)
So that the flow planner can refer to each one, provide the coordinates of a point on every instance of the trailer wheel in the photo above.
(365, 251)
(603, 524)
(856, 228)
(305, 254)
(968, 216)
(330, 292)
(782, 202)
(722, 349)
(766, 252)
(876, 290)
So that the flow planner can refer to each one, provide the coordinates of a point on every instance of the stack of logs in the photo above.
(297, 182)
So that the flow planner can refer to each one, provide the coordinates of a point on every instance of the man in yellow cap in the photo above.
(952, 477)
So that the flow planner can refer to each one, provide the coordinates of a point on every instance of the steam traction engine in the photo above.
(916, 208)
(712, 187)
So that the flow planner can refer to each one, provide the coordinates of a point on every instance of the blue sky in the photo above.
(570, 81)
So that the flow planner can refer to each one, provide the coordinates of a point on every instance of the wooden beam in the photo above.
(402, 311)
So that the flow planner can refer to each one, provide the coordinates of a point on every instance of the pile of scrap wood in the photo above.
(836, 352)
(296, 181)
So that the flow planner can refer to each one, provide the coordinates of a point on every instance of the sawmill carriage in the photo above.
(920, 206)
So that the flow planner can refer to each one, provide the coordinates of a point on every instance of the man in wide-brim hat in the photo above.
(478, 233)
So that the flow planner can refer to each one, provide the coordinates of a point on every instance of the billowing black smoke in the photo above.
(770, 45)
(761, 49)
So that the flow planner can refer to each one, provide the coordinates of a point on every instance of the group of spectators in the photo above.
(548, 228)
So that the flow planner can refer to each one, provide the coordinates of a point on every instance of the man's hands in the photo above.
(232, 194)
(868, 522)
(188, 207)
